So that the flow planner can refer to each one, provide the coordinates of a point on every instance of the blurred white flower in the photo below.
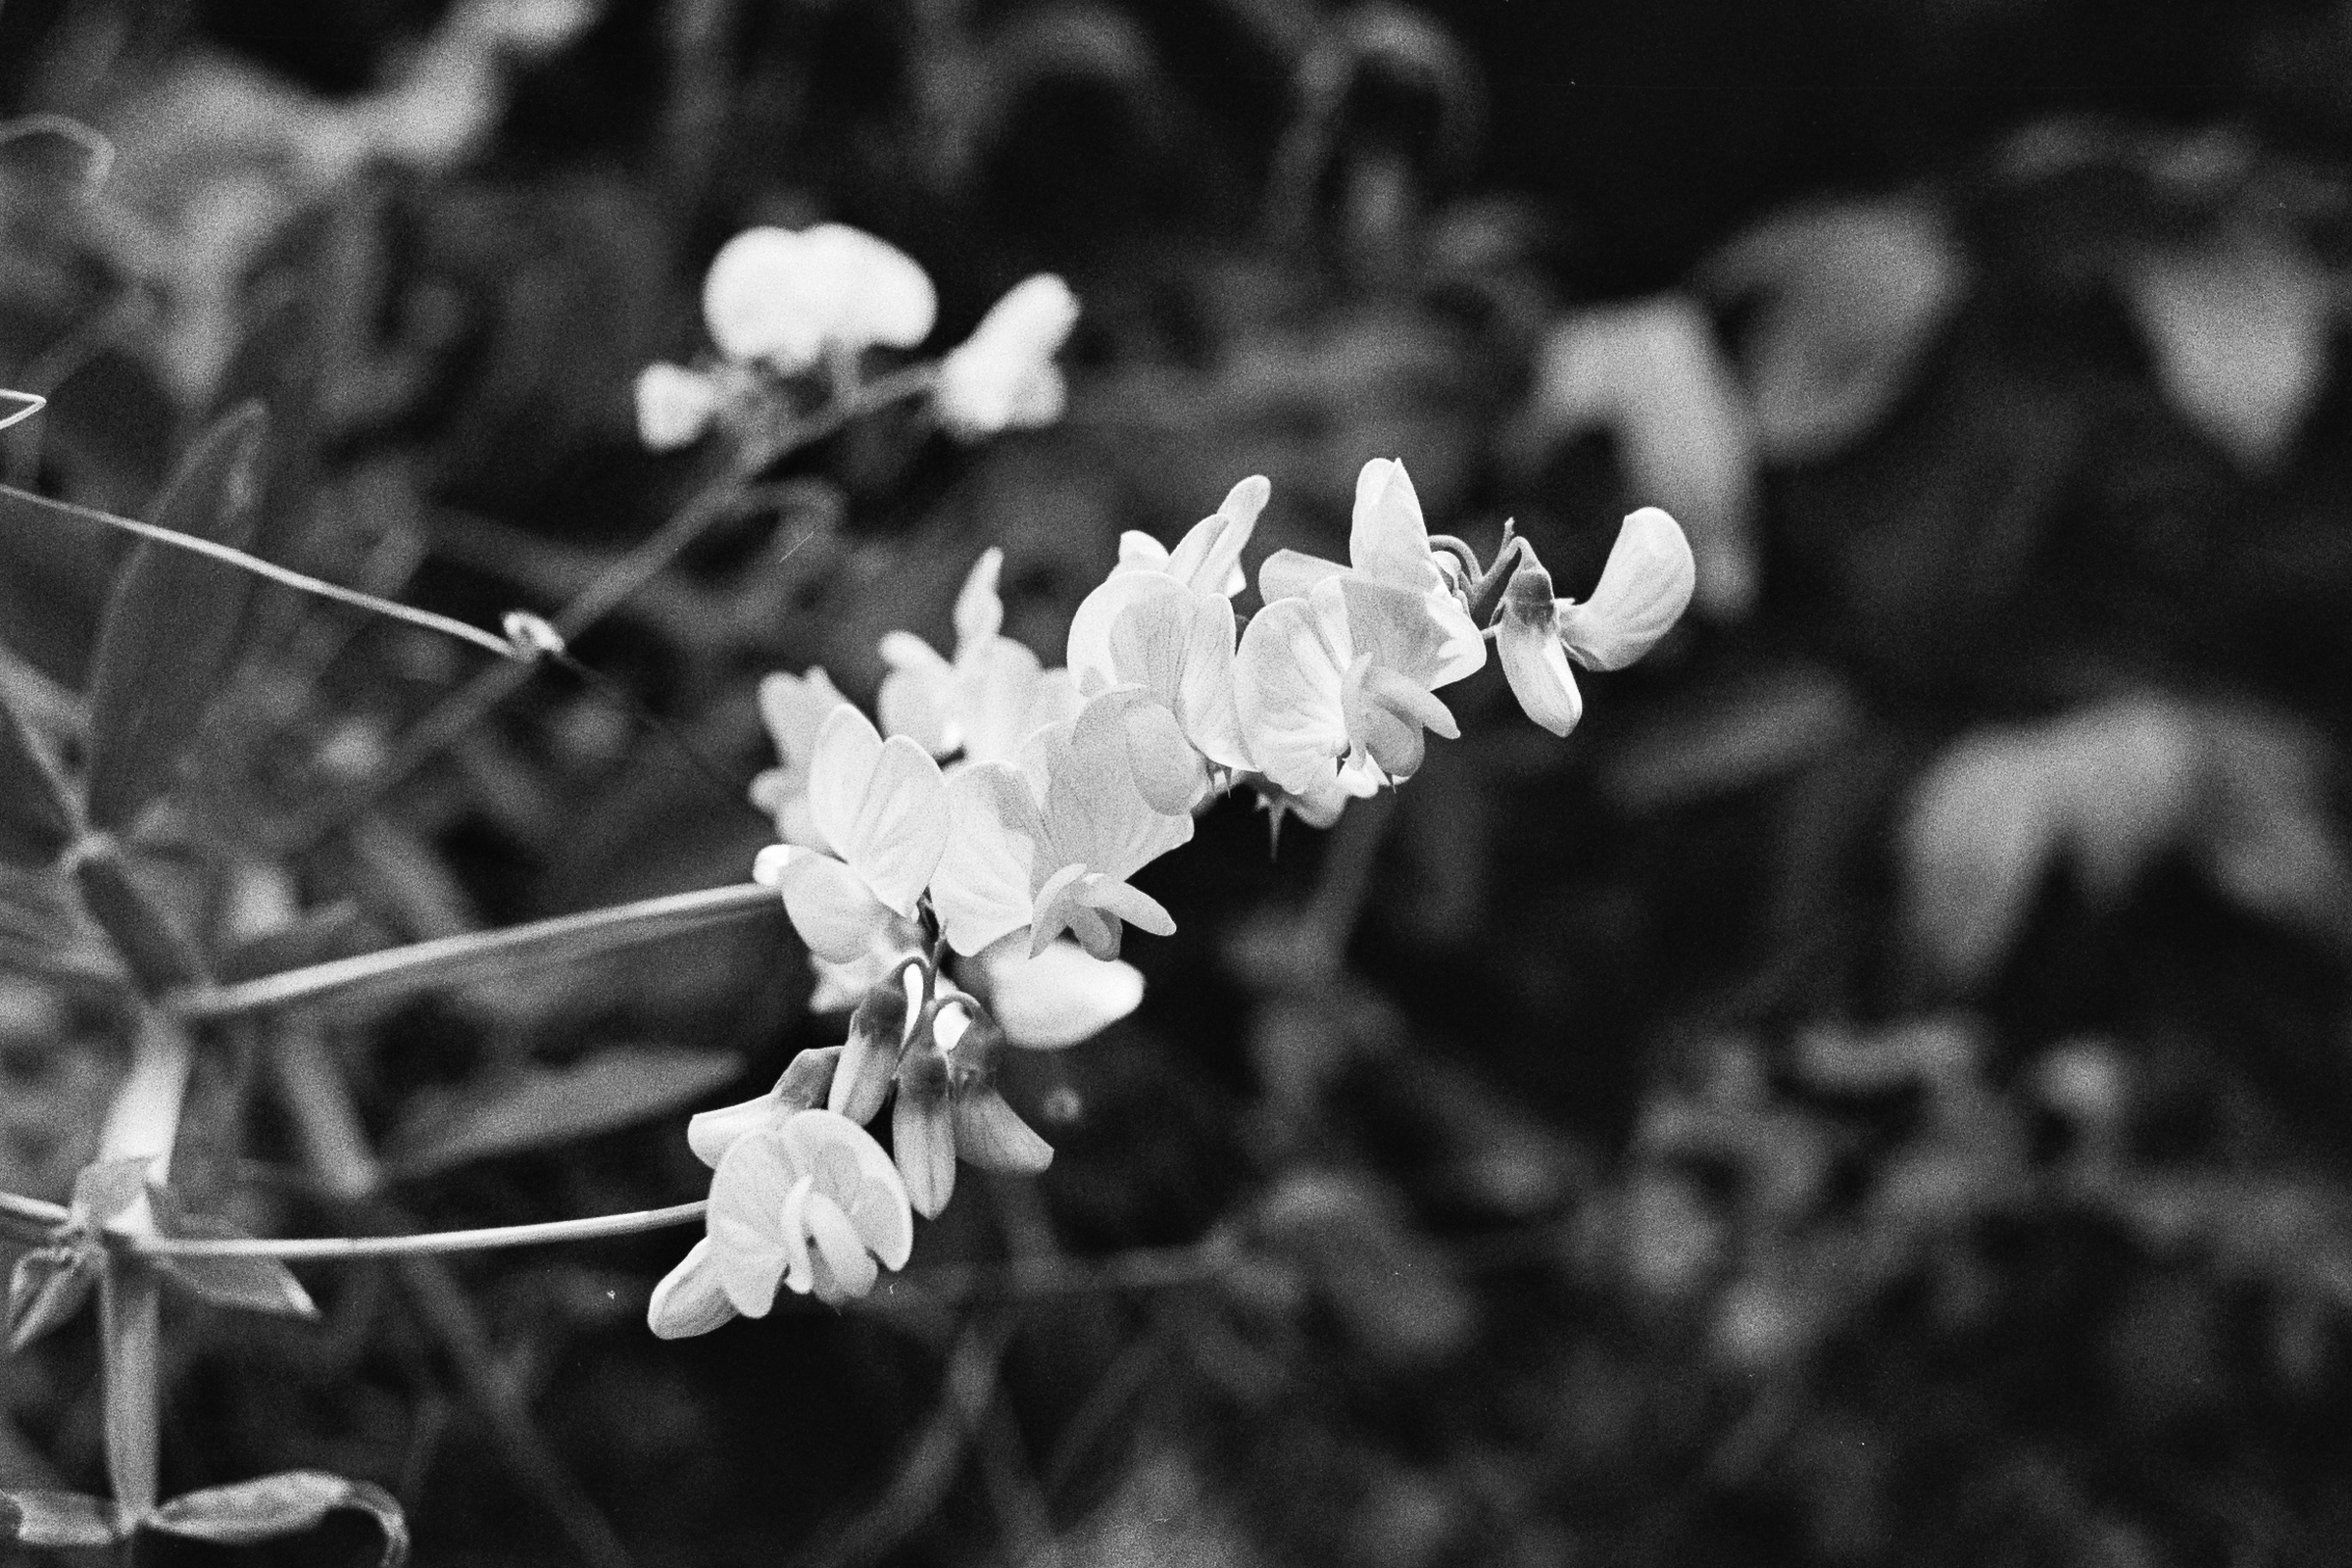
(1004, 377)
(785, 297)
(674, 407)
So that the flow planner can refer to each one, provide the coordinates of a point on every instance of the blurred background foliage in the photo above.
(1879, 1094)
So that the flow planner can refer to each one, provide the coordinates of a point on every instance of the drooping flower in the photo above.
(1002, 377)
(794, 707)
(1643, 590)
(674, 406)
(948, 1107)
(786, 298)
(1050, 844)
(878, 813)
(812, 1204)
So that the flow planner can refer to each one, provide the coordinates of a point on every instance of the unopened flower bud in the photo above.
(877, 1034)
(922, 1132)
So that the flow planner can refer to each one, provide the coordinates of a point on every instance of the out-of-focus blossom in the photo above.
(674, 406)
(794, 707)
(948, 1107)
(1058, 997)
(1643, 591)
(1002, 377)
(1050, 844)
(785, 298)
(879, 814)
(812, 1204)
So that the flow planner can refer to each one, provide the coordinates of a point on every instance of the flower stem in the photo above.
(476, 1241)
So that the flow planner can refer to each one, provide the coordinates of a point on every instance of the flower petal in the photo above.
(1002, 376)
(690, 1300)
(991, 1135)
(1287, 691)
(1387, 541)
(1291, 575)
(1058, 997)
(866, 289)
(902, 825)
(848, 750)
(754, 305)
(746, 1198)
(1643, 590)
(712, 1133)
(829, 904)
(1094, 812)
(982, 886)
(1211, 554)
(1166, 769)
(856, 1172)
(979, 609)
(1129, 904)
(849, 1269)
(922, 1139)
(1528, 642)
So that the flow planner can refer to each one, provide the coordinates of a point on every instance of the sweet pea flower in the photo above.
(1048, 845)
(991, 696)
(812, 1204)
(786, 298)
(1403, 603)
(1002, 377)
(947, 1109)
(878, 813)
(1329, 717)
(1643, 590)
(674, 406)
(1165, 624)
(794, 707)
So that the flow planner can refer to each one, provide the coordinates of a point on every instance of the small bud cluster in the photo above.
(780, 303)
(961, 873)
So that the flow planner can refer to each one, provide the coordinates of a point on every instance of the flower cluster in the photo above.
(962, 872)
(778, 303)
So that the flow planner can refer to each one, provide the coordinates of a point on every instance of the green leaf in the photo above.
(37, 815)
(46, 1287)
(247, 1284)
(402, 972)
(59, 1519)
(275, 1507)
(171, 628)
(320, 936)
(538, 1108)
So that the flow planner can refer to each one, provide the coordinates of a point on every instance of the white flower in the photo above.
(674, 407)
(1002, 377)
(784, 297)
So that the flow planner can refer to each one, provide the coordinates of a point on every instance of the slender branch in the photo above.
(475, 1240)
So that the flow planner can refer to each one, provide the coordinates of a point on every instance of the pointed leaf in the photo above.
(37, 815)
(46, 1287)
(171, 626)
(279, 1505)
(247, 1284)
(59, 1519)
(435, 965)
(538, 1108)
